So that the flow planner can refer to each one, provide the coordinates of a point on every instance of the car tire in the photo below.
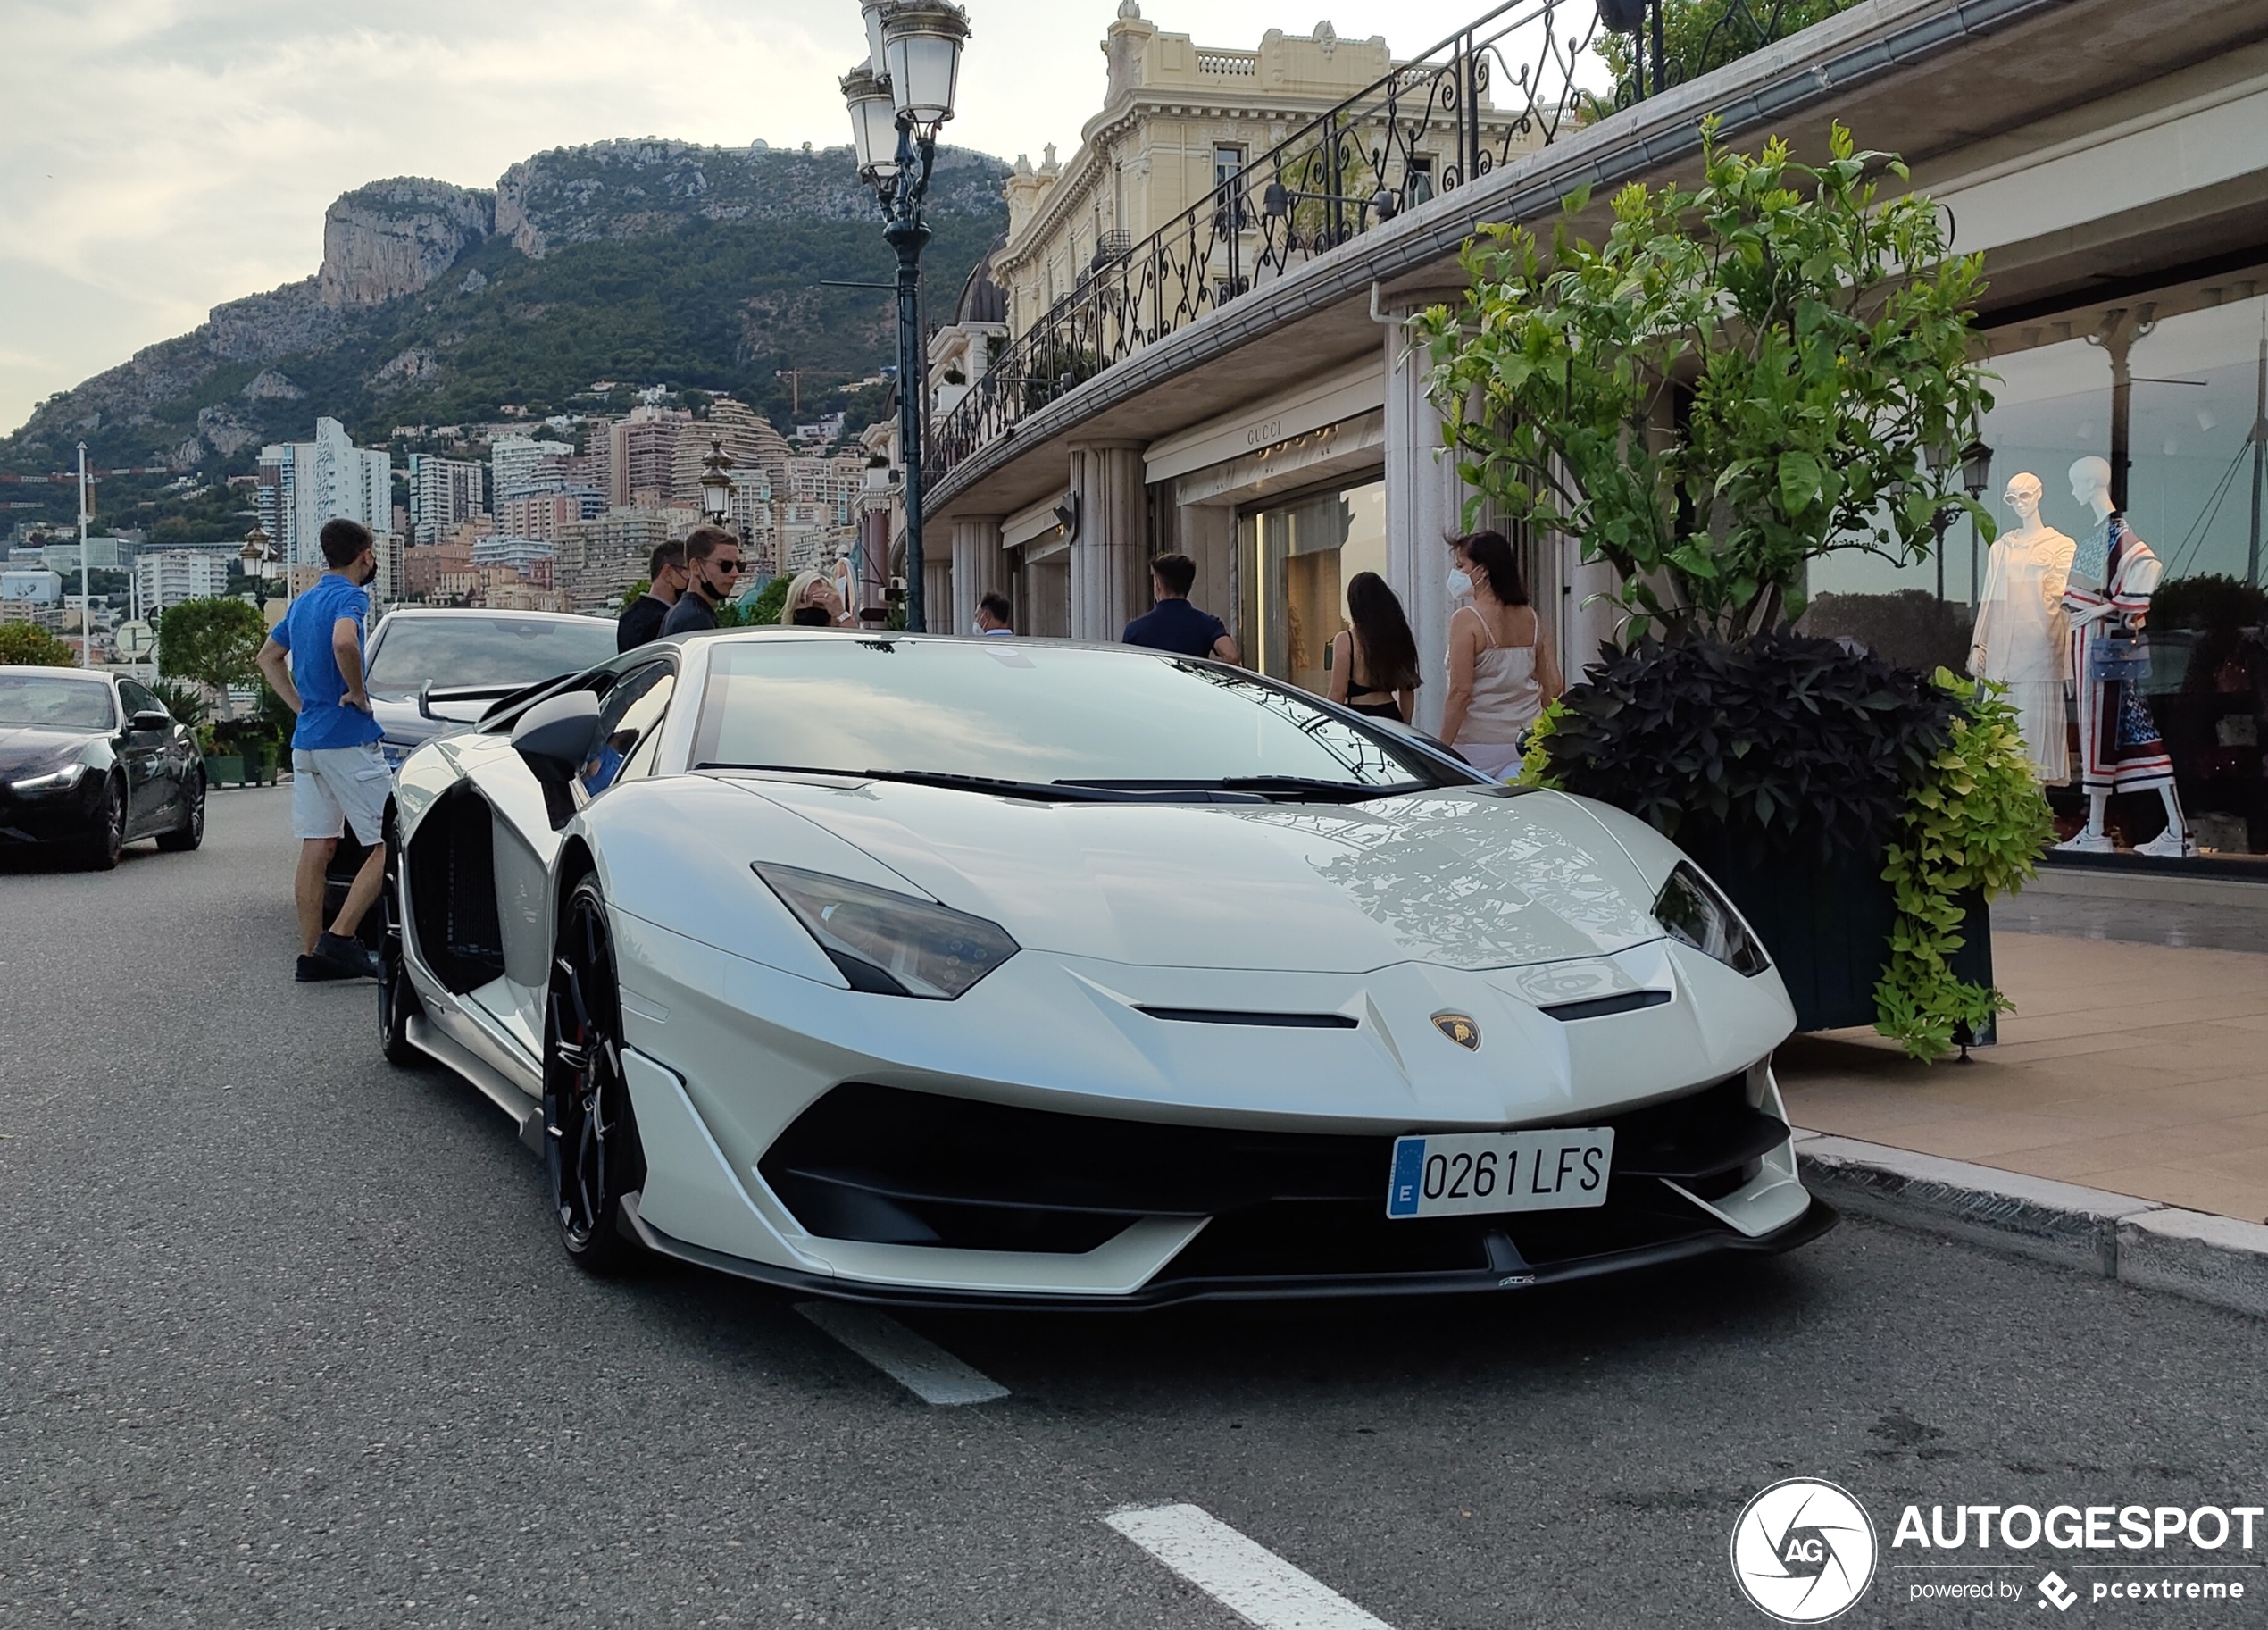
(190, 832)
(398, 1002)
(99, 850)
(592, 1156)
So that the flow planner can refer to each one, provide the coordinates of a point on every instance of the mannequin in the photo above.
(2112, 575)
(2023, 639)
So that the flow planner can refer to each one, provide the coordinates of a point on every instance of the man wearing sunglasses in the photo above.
(712, 576)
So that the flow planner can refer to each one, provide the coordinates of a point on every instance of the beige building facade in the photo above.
(1284, 437)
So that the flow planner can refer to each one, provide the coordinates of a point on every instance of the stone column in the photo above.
(979, 567)
(936, 587)
(1422, 500)
(1110, 556)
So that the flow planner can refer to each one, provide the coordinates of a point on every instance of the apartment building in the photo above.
(593, 561)
(444, 493)
(164, 578)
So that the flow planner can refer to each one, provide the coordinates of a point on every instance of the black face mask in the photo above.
(813, 616)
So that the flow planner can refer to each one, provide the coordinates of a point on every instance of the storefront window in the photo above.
(1299, 556)
(2165, 392)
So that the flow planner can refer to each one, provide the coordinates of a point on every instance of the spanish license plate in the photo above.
(1453, 1174)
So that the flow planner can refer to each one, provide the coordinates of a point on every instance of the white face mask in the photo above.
(1460, 584)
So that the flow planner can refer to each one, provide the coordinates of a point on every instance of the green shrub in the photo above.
(212, 641)
(766, 607)
(1806, 339)
(184, 701)
(1779, 741)
(1975, 822)
(27, 644)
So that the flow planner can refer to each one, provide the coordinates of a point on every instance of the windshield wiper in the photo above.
(1295, 788)
(1038, 791)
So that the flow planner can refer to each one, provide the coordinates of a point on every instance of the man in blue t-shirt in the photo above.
(1173, 624)
(313, 659)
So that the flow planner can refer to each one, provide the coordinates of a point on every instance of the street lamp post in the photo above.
(86, 599)
(716, 483)
(898, 98)
(1976, 475)
(1975, 462)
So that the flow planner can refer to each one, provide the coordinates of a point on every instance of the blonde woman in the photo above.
(1501, 671)
(812, 602)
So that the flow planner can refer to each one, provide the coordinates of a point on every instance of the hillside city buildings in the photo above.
(302, 484)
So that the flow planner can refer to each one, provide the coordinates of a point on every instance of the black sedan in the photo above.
(90, 761)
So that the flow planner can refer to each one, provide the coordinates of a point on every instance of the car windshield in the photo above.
(467, 650)
(52, 700)
(1032, 714)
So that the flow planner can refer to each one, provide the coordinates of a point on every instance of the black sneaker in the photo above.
(313, 970)
(351, 958)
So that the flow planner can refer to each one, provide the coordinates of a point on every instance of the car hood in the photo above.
(30, 749)
(1468, 880)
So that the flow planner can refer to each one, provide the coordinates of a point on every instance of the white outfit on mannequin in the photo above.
(2023, 639)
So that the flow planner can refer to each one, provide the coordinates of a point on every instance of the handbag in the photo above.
(2118, 659)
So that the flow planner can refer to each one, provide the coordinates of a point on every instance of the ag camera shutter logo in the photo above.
(1803, 1550)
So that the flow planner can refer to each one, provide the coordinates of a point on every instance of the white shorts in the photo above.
(335, 787)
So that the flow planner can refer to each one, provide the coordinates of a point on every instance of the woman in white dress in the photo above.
(2022, 638)
(1501, 671)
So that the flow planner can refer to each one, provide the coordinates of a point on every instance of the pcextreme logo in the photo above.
(1803, 1550)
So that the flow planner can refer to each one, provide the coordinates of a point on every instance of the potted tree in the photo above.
(1745, 377)
(212, 643)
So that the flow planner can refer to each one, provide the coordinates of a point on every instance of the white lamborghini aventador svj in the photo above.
(1004, 971)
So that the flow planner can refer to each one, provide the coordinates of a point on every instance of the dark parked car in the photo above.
(90, 761)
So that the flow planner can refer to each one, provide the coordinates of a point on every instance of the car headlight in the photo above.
(888, 943)
(54, 781)
(1693, 913)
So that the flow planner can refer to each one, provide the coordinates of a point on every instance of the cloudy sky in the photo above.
(159, 156)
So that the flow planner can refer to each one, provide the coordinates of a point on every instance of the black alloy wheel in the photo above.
(398, 1002)
(190, 832)
(100, 848)
(590, 1134)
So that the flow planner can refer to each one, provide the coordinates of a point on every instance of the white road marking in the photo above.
(1250, 1580)
(913, 1361)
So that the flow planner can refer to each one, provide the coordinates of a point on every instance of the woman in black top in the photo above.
(1374, 664)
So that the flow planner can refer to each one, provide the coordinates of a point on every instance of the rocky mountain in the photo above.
(639, 261)
(393, 238)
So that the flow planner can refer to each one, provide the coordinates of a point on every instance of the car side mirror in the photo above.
(151, 718)
(557, 735)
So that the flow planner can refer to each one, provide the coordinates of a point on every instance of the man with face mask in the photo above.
(712, 577)
(313, 660)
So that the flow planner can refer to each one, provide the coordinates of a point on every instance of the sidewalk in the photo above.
(2138, 1069)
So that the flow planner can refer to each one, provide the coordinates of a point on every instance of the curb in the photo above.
(2141, 1242)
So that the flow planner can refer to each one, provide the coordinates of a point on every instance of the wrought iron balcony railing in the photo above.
(1502, 85)
(1496, 88)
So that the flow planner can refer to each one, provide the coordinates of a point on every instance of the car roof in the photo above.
(99, 679)
(513, 614)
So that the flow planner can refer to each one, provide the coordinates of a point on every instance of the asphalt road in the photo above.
(284, 1340)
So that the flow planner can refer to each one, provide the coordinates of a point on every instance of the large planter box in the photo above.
(1828, 927)
(223, 770)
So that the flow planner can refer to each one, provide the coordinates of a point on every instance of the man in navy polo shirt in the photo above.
(314, 658)
(1173, 624)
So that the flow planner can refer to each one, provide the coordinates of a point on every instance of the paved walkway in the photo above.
(2141, 1069)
